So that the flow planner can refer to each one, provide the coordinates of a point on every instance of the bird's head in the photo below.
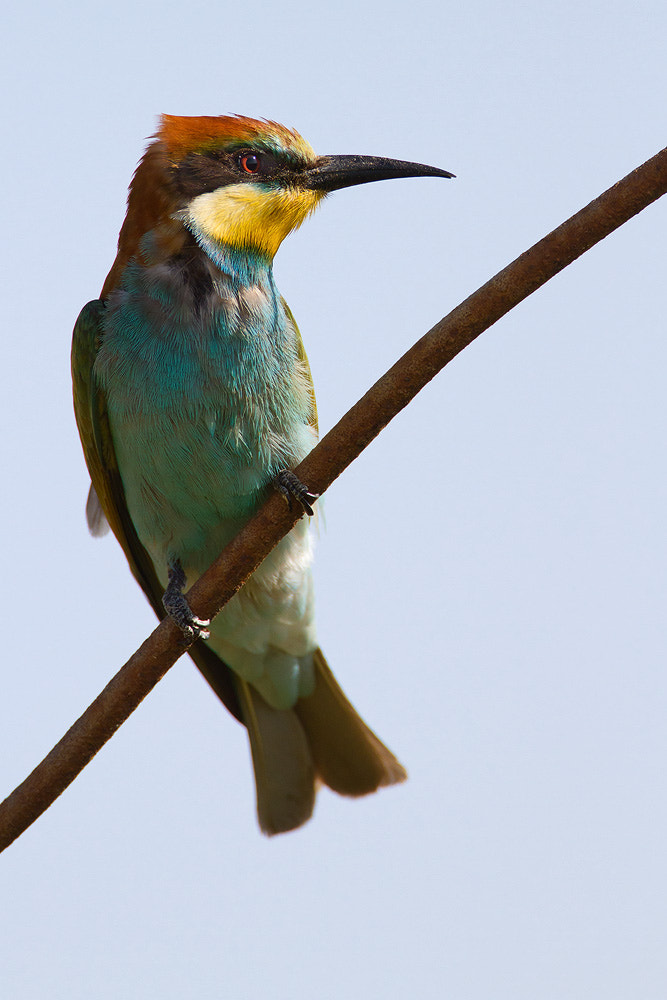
(239, 182)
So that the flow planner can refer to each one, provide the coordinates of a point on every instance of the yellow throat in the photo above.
(253, 216)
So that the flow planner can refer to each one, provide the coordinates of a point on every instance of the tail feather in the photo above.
(323, 738)
(284, 772)
(348, 756)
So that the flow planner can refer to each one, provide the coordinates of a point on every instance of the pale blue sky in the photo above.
(492, 579)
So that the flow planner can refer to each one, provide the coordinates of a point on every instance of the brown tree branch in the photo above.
(324, 464)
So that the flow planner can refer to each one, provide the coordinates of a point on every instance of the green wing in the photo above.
(303, 357)
(93, 423)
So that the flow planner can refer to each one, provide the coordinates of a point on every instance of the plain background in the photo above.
(493, 574)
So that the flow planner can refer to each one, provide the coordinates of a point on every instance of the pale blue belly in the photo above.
(202, 418)
(190, 485)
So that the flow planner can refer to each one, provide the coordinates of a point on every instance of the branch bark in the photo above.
(326, 462)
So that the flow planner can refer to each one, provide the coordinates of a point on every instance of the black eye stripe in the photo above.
(200, 172)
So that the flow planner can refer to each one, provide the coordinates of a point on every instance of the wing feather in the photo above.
(93, 423)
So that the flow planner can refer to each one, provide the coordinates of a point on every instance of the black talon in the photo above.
(291, 487)
(178, 608)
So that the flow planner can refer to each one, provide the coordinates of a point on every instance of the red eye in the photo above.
(250, 163)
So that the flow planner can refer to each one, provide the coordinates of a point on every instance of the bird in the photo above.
(194, 399)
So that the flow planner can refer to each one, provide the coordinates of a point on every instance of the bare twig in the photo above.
(324, 464)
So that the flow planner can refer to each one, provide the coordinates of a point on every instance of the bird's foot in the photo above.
(178, 608)
(291, 487)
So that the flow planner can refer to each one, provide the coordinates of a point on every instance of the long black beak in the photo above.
(331, 173)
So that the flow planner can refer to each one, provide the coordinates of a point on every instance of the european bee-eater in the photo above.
(193, 396)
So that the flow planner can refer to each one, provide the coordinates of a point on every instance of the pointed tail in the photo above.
(322, 737)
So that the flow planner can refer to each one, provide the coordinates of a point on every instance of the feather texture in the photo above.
(283, 764)
(192, 391)
(348, 756)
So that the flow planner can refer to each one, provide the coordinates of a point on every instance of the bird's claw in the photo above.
(178, 608)
(291, 487)
(196, 628)
(181, 613)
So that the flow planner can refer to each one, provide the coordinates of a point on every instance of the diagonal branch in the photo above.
(335, 452)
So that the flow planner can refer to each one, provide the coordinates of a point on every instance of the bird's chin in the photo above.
(249, 216)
